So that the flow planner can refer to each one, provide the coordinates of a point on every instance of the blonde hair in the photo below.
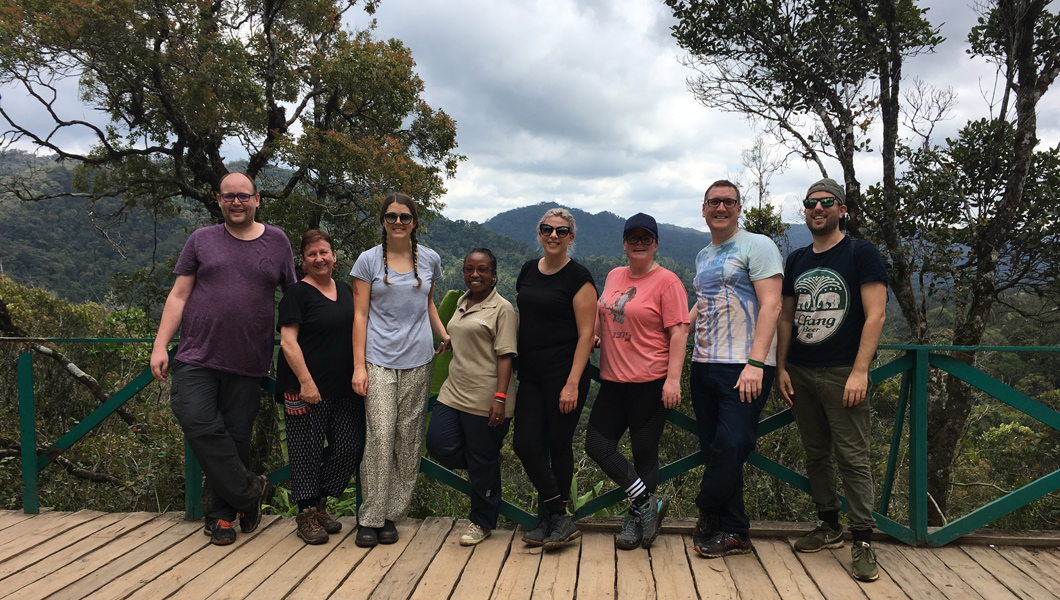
(566, 215)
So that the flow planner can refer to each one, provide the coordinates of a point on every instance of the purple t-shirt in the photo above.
(228, 319)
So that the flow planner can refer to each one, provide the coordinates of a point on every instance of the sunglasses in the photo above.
(633, 240)
(392, 218)
(230, 197)
(827, 202)
(546, 230)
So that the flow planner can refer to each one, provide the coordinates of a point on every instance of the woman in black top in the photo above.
(557, 316)
(314, 377)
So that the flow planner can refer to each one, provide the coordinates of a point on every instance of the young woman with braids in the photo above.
(393, 286)
(476, 402)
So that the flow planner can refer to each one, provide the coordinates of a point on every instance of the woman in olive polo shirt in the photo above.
(476, 402)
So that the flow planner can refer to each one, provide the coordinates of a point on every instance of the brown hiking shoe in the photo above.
(309, 527)
(328, 522)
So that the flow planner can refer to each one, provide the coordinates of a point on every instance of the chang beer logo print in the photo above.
(822, 302)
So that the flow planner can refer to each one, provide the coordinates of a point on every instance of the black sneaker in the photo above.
(706, 528)
(630, 536)
(651, 514)
(725, 543)
(540, 533)
(387, 534)
(328, 522)
(249, 520)
(563, 531)
(366, 537)
(220, 531)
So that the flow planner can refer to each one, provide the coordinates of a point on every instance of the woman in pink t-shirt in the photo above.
(643, 329)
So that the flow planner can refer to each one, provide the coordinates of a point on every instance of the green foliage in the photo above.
(179, 82)
(767, 221)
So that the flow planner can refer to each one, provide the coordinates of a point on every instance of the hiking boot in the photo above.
(563, 531)
(823, 536)
(220, 531)
(309, 527)
(328, 522)
(540, 533)
(387, 534)
(706, 528)
(249, 520)
(651, 514)
(366, 537)
(864, 563)
(725, 543)
(474, 535)
(630, 536)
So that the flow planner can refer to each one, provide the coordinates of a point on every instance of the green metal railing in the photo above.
(912, 366)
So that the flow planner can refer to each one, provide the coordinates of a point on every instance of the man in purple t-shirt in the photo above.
(224, 297)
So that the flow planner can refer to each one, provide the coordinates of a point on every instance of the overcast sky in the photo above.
(584, 102)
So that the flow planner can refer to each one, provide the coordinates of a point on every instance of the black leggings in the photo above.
(639, 408)
(539, 426)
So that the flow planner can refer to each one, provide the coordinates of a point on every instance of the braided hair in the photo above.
(493, 262)
(410, 204)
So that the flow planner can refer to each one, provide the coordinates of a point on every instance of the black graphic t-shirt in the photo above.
(829, 315)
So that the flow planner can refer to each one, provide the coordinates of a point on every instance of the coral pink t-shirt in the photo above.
(635, 315)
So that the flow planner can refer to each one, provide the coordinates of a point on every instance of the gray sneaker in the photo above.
(564, 531)
(823, 536)
(540, 533)
(651, 514)
(863, 566)
(630, 536)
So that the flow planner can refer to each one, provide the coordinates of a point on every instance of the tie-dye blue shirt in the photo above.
(727, 306)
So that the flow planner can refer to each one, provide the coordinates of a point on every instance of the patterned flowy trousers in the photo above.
(395, 411)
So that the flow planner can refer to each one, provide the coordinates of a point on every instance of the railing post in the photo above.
(918, 490)
(27, 420)
(192, 484)
(896, 442)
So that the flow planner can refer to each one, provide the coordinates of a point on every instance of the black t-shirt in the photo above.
(325, 335)
(548, 331)
(829, 315)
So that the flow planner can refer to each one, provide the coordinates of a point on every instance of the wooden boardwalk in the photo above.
(151, 556)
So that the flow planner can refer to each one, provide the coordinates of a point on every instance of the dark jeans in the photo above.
(216, 410)
(728, 430)
(460, 440)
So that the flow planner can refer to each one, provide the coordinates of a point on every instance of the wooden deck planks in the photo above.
(596, 567)
(198, 563)
(110, 562)
(517, 572)
(786, 572)
(557, 576)
(634, 578)
(483, 568)
(401, 579)
(76, 556)
(712, 578)
(58, 560)
(444, 571)
(330, 573)
(669, 563)
(1015, 580)
(304, 561)
(374, 566)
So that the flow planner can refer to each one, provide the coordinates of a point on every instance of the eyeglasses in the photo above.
(716, 202)
(546, 230)
(826, 202)
(483, 269)
(633, 240)
(392, 218)
(230, 197)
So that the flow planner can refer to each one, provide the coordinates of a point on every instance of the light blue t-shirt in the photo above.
(399, 331)
(726, 299)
